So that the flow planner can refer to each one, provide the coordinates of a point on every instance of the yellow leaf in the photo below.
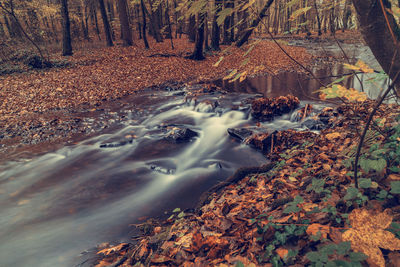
(230, 75)
(351, 67)
(364, 67)
(243, 76)
(368, 234)
(216, 64)
(332, 136)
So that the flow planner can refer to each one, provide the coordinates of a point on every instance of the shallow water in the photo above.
(55, 206)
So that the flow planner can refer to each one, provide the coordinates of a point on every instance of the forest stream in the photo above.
(163, 151)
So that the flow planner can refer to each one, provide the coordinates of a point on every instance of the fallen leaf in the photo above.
(282, 252)
(332, 136)
(314, 228)
(368, 234)
(108, 251)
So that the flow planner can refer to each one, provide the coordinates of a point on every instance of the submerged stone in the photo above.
(180, 135)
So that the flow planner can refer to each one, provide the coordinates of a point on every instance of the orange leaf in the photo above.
(314, 228)
(282, 252)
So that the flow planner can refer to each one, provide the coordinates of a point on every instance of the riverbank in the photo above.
(45, 107)
(301, 209)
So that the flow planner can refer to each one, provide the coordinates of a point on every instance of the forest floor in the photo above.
(39, 106)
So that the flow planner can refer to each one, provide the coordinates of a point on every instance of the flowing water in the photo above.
(55, 206)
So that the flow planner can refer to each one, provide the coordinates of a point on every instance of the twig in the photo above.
(370, 117)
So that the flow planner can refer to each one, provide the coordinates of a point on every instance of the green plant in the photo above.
(276, 235)
(335, 255)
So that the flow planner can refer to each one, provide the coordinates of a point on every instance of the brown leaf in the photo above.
(314, 228)
(368, 234)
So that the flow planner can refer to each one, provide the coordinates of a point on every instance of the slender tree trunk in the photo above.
(96, 22)
(254, 24)
(232, 22)
(67, 42)
(215, 31)
(124, 20)
(169, 24)
(198, 48)
(318, 18)
(9, 29)
(155, 23)
(139, 25)
(111, 16)
(192, 28)
(206, 46)
(107, 28)
(225, 35)
(2, 32)
(146, 44)
(53, 27)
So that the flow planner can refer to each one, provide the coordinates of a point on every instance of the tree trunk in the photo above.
(67, 42)
(192, 29)
(245, 36)
(10, 31)
(225, 35)
(2, 33)
(107, 28)
(206, 32)
(124, 21)
(318, 18)
(215, 31)
(198, 48)
(96, 23)
(146, 44)
(169, 24)
(155, 23)
(376, 33)
(139, 25)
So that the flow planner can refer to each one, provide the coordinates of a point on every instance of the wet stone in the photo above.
(180, 135)
(117, 144)
(240, 133)
(314, 124)
(162, 169)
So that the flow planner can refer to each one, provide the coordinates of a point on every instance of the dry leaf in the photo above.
(332, 136)
(282, 252)
(108, 251)
(314, 228)
(368, 234)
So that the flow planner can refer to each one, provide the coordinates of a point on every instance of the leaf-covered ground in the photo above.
(28, 100)
(304, 211)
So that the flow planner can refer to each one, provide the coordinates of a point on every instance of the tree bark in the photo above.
(198, 48)
(245, 36)
(107, 28)
(378, 36)
(67, 42)
(318, 18)
(192, 28)
(215, 31)
(146, 44)
(124, 21)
